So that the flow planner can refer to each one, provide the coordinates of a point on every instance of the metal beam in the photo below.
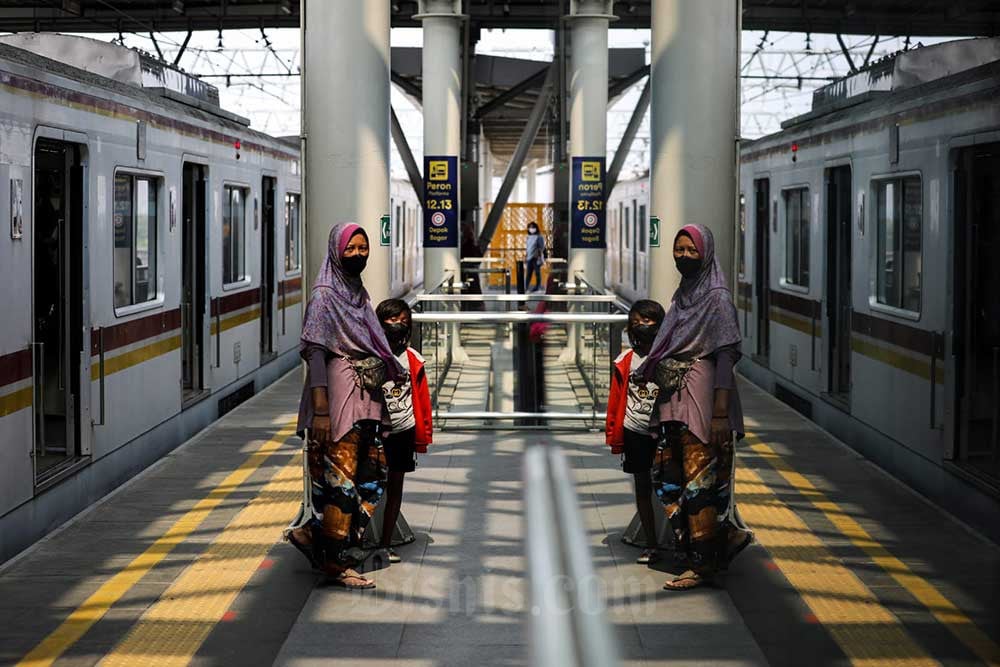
(503, 98)
(406, 155)
(524, 144)
(847, 54)
(408, 86)
(183, 48)
(619, 86)
(626, 143)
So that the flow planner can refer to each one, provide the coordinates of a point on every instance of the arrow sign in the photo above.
(654, 232)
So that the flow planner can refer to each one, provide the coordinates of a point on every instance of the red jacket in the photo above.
(614, 424)
(421, 395)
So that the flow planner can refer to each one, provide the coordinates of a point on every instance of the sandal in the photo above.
(685, 581)
(350, 578)
(303, 548)
(647, 556)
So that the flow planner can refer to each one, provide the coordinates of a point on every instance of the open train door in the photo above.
(976, 344)
(61, 342)
(193, 270)
(762, 265)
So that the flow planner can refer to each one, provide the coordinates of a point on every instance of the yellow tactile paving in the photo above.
(925, 592)
(867, 632)
(171, 631)
(97, 605)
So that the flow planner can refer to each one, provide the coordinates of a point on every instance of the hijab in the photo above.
(702, 317)
(339, 316)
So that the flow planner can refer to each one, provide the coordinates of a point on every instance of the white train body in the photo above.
(152, 274)
(884, 327)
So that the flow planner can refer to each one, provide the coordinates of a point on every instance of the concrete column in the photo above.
(588, 110)
(694, 129)
(442, 105)
(345, 128)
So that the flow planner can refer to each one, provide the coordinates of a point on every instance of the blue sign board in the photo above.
(440, 201)
(587, 203)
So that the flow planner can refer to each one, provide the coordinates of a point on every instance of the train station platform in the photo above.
(184, 564)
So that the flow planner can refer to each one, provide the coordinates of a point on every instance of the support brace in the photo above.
(626, 143)
(517, 160)
(407, 156)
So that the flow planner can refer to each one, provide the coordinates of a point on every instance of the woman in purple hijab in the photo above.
(339, 414)
(697, 421)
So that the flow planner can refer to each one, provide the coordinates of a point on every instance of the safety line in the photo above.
(864, 629)
(943, 609)
(171, 631)
(97, 605)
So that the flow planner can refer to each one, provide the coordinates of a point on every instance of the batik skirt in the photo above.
(348, 481)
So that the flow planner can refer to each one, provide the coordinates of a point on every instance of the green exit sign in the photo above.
(385, 235)
(654, 232)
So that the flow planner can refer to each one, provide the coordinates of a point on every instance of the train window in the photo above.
(234, 234)
(797, 236)
(293, 233)
(899, 215)
(135, 223)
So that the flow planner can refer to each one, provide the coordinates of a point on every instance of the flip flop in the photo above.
(685, 581)
(342, 581)
(304, 549)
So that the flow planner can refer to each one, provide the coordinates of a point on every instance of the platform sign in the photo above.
(654, 232)
(587, 203)
(385, 231)
(440, 201)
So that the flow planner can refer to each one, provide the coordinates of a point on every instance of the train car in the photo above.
(867, 281)
(152, 271)
(627, 266)
(868, 286)
(407, 242)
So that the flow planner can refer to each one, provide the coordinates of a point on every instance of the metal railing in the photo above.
(593, 357)
(568, 625)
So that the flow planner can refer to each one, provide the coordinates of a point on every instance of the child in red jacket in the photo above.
(630, 408)
(409, 405)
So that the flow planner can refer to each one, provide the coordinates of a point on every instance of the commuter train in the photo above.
(152, 269)
(867, 279)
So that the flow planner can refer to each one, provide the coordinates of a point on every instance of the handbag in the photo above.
(370, 372)
(670, 375)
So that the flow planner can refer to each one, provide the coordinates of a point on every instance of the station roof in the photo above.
(952, 18)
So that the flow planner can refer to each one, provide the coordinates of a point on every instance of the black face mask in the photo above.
(398, 335)
(688, 266)
(354, 265)
(641, 336)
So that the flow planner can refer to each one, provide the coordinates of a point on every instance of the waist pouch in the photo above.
(671, 374)
(370, 372)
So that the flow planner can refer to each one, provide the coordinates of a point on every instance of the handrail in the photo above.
(448, 277)
(521, 318)
(569, 625)
(569, 298)
(481, 260)
(554, 416)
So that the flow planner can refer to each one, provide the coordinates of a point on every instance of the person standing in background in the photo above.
(534, 258)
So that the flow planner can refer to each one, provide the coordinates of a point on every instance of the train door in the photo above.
(267, 269)
(838, 279)
(60, 362)
(977, 308)
(762, 264)
(193, 197)
(642, 258)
